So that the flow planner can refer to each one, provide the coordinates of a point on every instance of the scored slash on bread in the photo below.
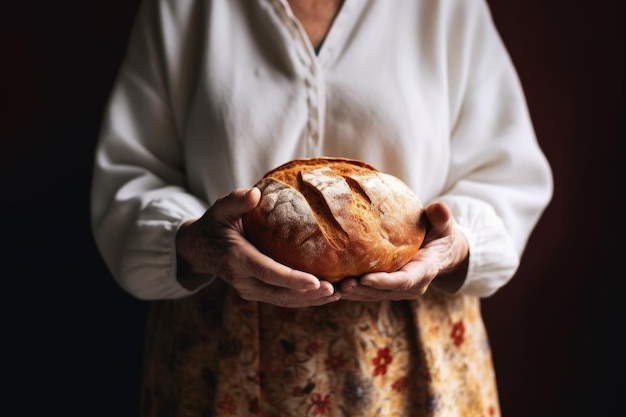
(335, 218)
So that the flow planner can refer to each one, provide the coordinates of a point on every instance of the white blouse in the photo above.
(214, 93)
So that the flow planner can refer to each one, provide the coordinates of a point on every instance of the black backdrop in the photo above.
(71, 339)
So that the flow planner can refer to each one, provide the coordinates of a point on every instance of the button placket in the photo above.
(315, 109)
(313, 81)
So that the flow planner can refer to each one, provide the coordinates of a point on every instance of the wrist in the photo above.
(451, 279)
(188, 272)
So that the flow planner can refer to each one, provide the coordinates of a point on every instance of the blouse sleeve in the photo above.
(139, 198)
(499, 181)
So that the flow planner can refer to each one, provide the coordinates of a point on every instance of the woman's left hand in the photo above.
(441, 261)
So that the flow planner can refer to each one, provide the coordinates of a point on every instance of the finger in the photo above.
(438, 213)
(348, 284)
(362, 293)
(276, 274)
(412, 275)
(260, 291)
(440, 220)
(236, 204)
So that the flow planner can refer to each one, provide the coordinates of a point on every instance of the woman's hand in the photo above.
(442, 261)
(215, 245)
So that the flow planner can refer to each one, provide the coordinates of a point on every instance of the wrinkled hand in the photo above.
(441, 261)
(215, 245)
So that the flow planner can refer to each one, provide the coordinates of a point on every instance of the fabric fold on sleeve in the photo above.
(493, 257)
(148, 266)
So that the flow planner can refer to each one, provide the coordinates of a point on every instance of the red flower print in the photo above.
(312, 348)
(321, 404)
(400, 384)
(227, 405)
(382, 359)
(458, 333)
(334, 362)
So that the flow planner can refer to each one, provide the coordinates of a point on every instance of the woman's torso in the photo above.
(251, 93)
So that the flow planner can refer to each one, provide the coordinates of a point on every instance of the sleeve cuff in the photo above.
(493, 259)
(148, 269)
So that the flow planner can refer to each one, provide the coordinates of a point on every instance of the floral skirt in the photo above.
(214, 354)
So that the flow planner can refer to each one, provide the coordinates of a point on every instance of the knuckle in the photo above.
(264, 274)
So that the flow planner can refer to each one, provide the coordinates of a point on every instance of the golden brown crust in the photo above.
(335, 218)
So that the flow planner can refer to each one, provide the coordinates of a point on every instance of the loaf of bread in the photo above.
(335, 218)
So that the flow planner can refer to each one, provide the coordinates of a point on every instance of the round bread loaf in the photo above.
(335, 218)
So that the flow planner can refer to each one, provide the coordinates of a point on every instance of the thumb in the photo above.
(237, 203)
(439, 218)
(438, 214)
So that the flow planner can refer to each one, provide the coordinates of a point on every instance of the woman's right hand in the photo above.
(215, 245)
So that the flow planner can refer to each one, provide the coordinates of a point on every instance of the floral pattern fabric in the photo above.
(214, 354)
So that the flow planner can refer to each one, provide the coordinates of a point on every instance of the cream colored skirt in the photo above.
(215, 354)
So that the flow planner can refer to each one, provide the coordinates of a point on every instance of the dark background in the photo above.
(71, 339)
